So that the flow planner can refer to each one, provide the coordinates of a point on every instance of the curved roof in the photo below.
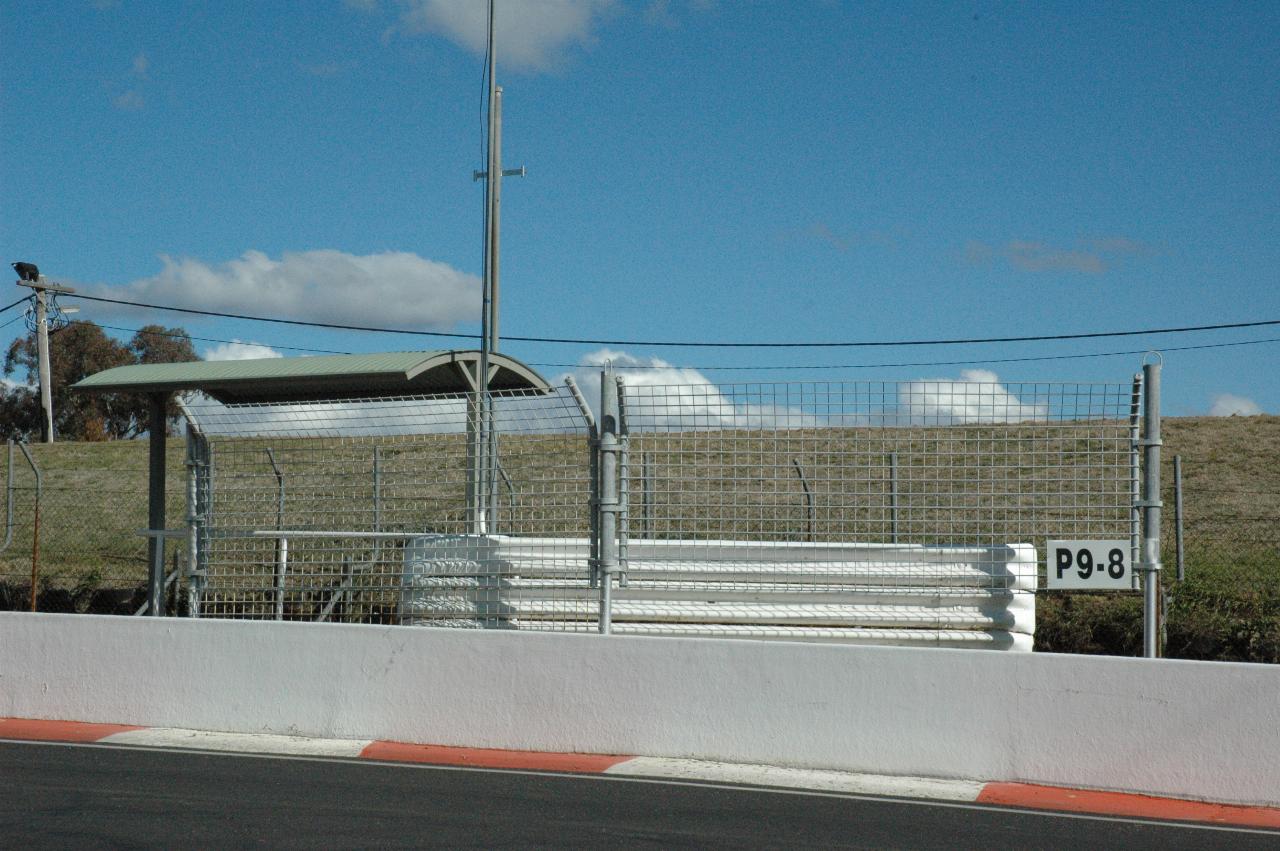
(280, 380)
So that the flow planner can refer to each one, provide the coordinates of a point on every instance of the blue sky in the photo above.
(698, 170)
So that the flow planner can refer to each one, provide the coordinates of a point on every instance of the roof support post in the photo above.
(155, 503)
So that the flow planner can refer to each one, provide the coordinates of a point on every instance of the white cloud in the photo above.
(660, 395)
(531, 34)
(976, 397)
(239, 350)
(1092, 258)
(392, 288)
(1228, 405)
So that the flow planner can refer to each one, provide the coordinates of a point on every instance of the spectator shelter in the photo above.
(281, 381)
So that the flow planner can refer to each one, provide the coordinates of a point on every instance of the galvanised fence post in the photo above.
(609, 505)
(1151, 506)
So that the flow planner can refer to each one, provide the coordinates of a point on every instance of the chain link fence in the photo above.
(372, 511)
(88, 502)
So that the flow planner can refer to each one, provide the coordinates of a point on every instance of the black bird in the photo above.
(26, 271)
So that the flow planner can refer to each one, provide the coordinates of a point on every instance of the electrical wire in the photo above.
(207, 339)
(700, 344)
(920, 363)
(16, 303)
(276, 320)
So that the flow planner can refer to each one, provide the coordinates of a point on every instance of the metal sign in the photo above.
(1089, 565)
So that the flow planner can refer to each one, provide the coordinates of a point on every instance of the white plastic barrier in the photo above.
(896, 594)
(1189, 729)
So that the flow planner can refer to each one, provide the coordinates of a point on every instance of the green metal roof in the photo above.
(267, 380)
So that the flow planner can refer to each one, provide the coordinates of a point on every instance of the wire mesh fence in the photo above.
(72, 513)
(885, 512)
(369, 510)
(848, 511)
(930, 463)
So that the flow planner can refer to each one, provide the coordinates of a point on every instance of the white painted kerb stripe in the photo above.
(268, 743)
(800, 778)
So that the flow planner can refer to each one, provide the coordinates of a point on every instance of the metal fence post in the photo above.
(608, 498)
(808, 499)
(1177, 515)
(376, 543)
(624, 484)
(646, 496)
(35, 533)
(893, 497)
(193, 514)
(204, 519)
(156, 439)
(282, 567)
(1135, 476)
(1151, 505)
(593, 483)
(8, 502)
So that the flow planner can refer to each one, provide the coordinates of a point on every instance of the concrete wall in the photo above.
(1202, 730)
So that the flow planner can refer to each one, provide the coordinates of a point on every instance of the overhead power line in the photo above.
(796, 367)
(762, 368)
(208, 339)
(274, 319)
(8, 307)
(701, 344)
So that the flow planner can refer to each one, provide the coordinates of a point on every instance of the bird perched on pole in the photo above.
(26, 271)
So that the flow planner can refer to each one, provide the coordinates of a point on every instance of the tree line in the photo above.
(76, 351)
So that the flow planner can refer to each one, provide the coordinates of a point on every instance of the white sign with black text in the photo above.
(1088, 565)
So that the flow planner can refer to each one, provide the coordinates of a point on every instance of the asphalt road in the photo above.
(87, 796)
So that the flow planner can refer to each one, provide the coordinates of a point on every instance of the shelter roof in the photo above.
(282, 380)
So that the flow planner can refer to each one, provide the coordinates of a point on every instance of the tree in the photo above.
(157, 344)
(76, 351)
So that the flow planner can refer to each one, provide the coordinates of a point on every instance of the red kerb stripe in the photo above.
(1123, 804)
(32, 730)
(491, 758)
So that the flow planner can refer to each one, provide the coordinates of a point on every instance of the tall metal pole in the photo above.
(1151, 511)
(480, 453)
(495, 219)
(495, 214)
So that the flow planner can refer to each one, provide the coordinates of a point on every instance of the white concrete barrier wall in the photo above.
(1188, 729)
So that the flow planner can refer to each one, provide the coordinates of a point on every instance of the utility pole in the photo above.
(42, 287)
(482, 478)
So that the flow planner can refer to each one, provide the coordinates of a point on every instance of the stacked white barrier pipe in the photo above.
(898, 594)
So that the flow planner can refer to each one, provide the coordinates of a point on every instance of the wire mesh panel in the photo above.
(71, 516)
(370, 510)
(841, 510)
